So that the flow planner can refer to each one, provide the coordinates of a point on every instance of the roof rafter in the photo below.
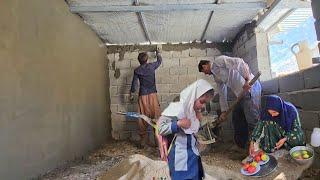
(170, 7)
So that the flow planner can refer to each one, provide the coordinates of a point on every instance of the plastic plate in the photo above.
(250, 174)
(264, 162)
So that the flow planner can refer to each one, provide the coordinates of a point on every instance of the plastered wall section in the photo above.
(53, 95)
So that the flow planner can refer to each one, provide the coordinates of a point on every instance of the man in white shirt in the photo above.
(234, 73)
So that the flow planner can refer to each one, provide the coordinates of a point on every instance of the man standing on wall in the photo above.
(234, 73)
(148, 103)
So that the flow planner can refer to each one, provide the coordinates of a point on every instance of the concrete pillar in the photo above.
(263, 58)
(315, 4)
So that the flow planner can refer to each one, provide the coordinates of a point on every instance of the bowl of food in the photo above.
(302, 154)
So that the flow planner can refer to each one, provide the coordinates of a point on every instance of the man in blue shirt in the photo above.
(148, 103)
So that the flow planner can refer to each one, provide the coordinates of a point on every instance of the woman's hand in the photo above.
(184, 123)
(280, 143)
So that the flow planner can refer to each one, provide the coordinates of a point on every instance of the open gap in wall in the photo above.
(293, 43)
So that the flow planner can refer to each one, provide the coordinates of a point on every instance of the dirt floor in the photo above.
(221, 161)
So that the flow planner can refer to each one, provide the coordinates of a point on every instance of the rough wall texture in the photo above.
(253, 48)
(53, 90)
(179, 68)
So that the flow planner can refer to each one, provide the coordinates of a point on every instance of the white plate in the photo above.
(250, 174)
(264, 162)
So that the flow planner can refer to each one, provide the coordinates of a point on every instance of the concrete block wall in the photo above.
(178, 69)
(252, 47)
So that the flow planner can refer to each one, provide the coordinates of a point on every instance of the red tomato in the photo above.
(251, 169)
(257, 158)
(245, 166)
(260, 153)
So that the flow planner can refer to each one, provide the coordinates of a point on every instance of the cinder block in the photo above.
(131, 126)
(166, 54)
(117, 122)
(176, 54)
(187, 79)
(308, 100)
(178, 71)
(114, 108)
(212, 52)
(162, 71)
(185, 53)
(111, 57)
(163, 88)
(309, 119)
(197, 52)
(123, 64)
(131, 55)
(168, 79)
(128, 107)
(270, 87)
(115, 135)
(177, 88)
(125, 89)
(189, 62)
(194, 71)
(113, 90)
(169, 97)
(115, 99)
(312, 77)
(134, 63)
(292, 82)
(170, 63)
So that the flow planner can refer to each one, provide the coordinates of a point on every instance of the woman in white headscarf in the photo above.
(181, 120)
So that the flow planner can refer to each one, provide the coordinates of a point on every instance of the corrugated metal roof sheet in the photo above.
(168, 26)
(295, 18)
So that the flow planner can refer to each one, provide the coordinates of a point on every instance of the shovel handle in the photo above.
(255, 78)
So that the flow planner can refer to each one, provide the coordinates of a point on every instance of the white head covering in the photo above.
(184, 108)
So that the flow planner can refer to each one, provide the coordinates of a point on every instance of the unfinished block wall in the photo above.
(178, 69)
(252, 47)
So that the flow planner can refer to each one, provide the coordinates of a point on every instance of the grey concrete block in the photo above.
(113, 90)
(291, 82)
(165, 79)
(168, 97)
(178, 71)
(131, 55)
(309, 119)
(166, 54)
(134, 63)
(185, 53)
(128, 107)
(114, 108)
(124, 64)
(176, 88)
(162, 71)
(111, 57)
(308, 100)
(187, 79)
(312, 77)
(174, 62)
(176, 54)
(189, 62)
(163, 88)
(197, 52)
(212, 52)
(270, 87)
